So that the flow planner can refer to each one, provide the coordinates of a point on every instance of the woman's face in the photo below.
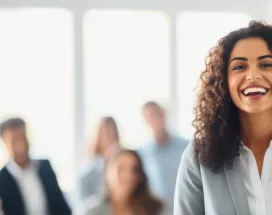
(250, 75)
(123, 175)
(107, 136)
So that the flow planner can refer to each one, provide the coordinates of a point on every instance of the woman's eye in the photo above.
(239, 67)
(266, 65)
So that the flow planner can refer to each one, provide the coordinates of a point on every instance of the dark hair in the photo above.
(217, 135)
(142, 199)
(12, 123)
(151, 104)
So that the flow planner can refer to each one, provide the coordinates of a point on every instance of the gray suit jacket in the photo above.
(199, 191)
(103, 208)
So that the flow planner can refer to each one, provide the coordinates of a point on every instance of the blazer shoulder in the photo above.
(44, 163)
(189, 153)
(3, 174)
(190, 163)
(98, 208)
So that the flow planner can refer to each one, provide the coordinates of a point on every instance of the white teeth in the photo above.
(255, 90)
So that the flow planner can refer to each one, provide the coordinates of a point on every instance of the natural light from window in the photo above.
(126, 63)
(37, 82)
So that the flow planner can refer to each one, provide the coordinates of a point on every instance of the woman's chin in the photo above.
(255, 109)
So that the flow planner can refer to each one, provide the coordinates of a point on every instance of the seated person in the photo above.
(128, 191)
(27, 187)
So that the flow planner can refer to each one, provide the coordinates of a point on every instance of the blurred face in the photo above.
(108, 136)
(250, 76)
(123, 175)
(154, 117)
(17, 144)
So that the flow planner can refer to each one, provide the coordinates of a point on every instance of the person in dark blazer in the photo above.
(27, 187)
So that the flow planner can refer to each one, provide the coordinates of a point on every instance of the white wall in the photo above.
(253, 7)
(269, 11)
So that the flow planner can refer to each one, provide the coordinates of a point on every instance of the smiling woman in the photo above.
(249, 75)
(233, 116)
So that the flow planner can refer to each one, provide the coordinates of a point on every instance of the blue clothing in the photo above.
(92, 181)
(161, 162)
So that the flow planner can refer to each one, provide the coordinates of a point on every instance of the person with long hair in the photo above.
(106, 142)
(128, 191)
(227, 169)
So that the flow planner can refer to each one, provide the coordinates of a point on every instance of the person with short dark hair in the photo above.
(227, 169)
(27, 187)
(161, 155)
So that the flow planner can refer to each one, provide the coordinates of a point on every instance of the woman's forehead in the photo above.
(250, 48)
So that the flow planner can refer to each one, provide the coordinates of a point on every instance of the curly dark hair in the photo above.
(217, 135)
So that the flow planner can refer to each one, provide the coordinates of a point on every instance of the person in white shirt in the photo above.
(227, 169)
(27, 187)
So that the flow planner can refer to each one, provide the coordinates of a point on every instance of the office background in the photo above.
(65, 63)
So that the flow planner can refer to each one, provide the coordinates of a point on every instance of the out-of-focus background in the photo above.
(66, 63)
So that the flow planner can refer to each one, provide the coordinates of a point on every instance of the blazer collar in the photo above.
(234, 176)
(17, 172)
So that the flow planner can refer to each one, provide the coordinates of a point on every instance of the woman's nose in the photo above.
(253, 74)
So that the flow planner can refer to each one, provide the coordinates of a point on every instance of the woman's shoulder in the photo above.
(164, 211)
(189, 163)
(96, 165)
(188, 156)
(98, 208)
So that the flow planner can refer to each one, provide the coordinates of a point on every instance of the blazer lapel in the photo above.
(14, 197)
(236, 186)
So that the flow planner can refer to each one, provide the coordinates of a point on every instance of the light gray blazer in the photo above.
(92, 181)
(199, 191)
(103, 208)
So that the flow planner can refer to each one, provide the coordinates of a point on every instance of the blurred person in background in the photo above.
(106, 142)
(27, 187)
(161, 155)
(128, 191)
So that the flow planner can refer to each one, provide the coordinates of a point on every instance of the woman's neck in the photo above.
(162, 137)
(106, 153)
(120, 205)
(256, 130)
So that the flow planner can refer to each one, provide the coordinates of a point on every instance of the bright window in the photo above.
(37, 82)
(126, 64)
(198, 32)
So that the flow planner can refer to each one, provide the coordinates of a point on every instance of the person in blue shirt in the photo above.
(161, 155)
